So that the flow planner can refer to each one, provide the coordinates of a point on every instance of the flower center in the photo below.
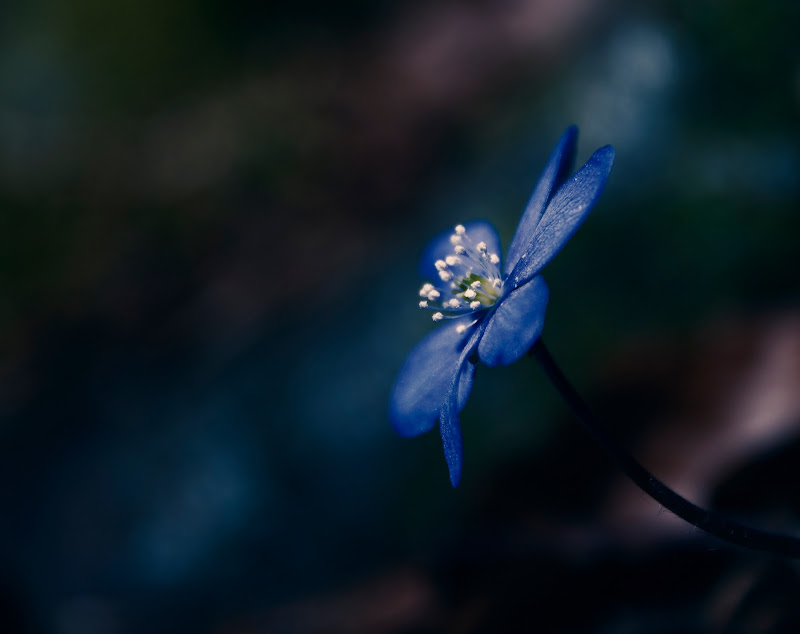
(469, 281)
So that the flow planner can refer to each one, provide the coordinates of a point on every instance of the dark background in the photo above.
(210, 216)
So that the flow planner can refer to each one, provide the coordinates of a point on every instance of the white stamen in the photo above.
(470, 280)
(461, 329)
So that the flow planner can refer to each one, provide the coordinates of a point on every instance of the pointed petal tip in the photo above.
(607, 153)
(454, 457)
(571, 133)
(455, 478)
(555, 172)
(565, 211)
(453, 450)
(566, 147)
(451, 442)
(600, 164)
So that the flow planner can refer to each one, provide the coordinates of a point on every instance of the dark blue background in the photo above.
(210, 218)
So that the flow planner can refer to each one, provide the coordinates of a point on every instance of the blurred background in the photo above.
(210, 220)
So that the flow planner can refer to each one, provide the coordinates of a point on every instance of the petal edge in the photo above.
(423, 382)
(553, 175)
(515, 324)
(565, 212)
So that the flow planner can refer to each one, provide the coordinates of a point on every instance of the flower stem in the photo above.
(710, 521)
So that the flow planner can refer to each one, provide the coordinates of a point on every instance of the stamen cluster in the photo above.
(470, 280)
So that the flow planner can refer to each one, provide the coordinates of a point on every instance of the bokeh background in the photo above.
(210, 219)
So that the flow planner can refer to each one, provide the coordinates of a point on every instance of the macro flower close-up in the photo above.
(289, 345)
(493, 311)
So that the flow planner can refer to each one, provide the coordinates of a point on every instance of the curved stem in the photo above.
(709, 521)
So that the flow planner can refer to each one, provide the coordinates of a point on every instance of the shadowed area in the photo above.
(210, 223)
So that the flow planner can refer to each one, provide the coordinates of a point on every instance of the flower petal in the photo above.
(449, 426)
(465, 383)
(555, 172)
(424, 380)
(565, 212)
(450, 429)
(440, 247)
(515, 324)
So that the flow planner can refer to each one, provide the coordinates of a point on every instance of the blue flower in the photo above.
(493, 313)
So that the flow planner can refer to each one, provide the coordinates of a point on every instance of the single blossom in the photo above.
(490, 312)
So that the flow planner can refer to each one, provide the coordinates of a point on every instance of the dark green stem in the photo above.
(710, 521)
